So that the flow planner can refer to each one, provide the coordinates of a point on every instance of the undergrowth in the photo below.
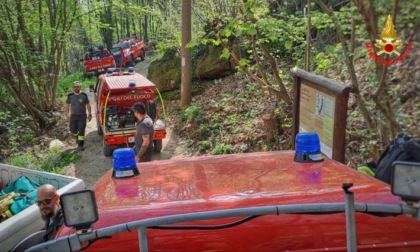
(54, 161)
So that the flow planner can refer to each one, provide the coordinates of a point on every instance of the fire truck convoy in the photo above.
(266, 201)
(115, 94)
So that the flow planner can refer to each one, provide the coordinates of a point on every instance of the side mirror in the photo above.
(79, 209)
(405, 180)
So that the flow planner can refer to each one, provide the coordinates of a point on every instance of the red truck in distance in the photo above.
(97, 61)
(127, 50)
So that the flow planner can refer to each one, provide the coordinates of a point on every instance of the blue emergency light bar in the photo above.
(308, 148)
(124, 163)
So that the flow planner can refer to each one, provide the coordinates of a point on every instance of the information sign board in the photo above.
(320, 105)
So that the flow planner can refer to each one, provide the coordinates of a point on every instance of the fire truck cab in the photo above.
(115, 94)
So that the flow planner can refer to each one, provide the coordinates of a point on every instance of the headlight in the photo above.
(405, 180)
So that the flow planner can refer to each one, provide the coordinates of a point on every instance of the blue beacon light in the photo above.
(308, 148)
(124, 163)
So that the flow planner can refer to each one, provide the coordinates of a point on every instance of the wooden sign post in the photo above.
(320, 105)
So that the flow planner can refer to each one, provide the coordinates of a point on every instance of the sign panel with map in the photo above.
(321, 106)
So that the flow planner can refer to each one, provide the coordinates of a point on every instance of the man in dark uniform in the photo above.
(48, 202)
(77, 102)
(144, 134)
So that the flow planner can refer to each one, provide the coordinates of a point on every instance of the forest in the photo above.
(42, 41)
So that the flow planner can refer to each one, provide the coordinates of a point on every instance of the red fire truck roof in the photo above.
(198, 184)
(116, 81)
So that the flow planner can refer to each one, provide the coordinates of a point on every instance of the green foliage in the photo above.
(27, 138)
(54, 161)
(322, 63)
(204, 131)
(192, 114)
(171, 95)
(221, 149)
(233, 119)
(14, 133)
(27, 160)
(65, 85)
(189, 143)
(205, 145)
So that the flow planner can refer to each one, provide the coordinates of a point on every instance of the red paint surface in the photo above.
(245, 180)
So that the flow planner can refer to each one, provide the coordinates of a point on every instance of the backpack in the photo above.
(402, 148)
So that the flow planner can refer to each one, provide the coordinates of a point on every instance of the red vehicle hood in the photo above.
(232, 181)
(244, 180)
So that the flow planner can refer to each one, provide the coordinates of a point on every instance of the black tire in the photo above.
(98, 125)
(151, 109)
(157, 145)
(132, 61)
(143, 54)
(107, 149)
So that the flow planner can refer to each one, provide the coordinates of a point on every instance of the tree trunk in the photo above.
(308, 40)
(186, 54)
(272, 127)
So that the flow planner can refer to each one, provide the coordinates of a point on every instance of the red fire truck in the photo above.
(127, 50)
(96, 62)
(266, 201)
(115, 94)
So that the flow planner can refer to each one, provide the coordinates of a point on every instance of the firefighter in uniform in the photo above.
(76, 105)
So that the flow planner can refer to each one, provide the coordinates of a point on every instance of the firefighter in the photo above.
(76, 105)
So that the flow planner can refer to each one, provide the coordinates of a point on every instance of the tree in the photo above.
(32, 35)
(380, 119)
(255, 26)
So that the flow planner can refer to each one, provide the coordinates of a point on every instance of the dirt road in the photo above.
(93, 164)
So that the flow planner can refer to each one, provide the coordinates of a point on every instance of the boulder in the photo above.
(166, 71)
(211, 66)
(206, 63)
(56, 144)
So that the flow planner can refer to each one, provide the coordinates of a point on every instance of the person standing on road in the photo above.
(144, 134)
(48, 202)
(77, 103)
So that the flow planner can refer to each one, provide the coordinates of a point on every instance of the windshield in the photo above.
(115, 50)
